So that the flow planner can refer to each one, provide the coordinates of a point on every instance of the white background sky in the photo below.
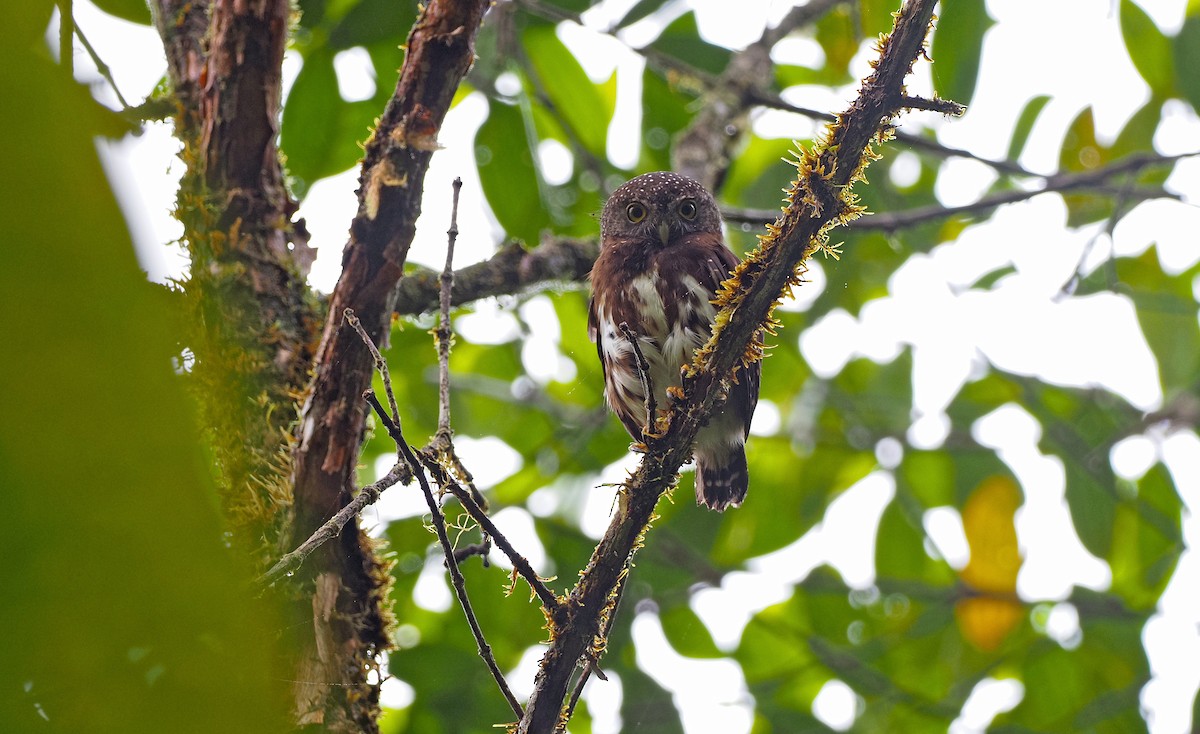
(1071, 51)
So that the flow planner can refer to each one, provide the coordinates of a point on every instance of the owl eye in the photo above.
(636, 212)
(687, 209)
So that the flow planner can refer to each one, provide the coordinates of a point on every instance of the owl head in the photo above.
(657, 208)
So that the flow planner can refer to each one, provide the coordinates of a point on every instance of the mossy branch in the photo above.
(819, 199)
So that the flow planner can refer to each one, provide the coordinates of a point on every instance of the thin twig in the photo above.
(1120, 204)
(550, 602)
(368, 495)
(439, 526)
(944, 106)
(66, 37)
(380, 364)
(650, 428)
(443, 443)
(1094, 179)
(101, 67)
(444, 335)
(474, 549)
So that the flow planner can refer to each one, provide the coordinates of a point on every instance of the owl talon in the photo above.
(652, 435)
(675, 392)
(639, 448)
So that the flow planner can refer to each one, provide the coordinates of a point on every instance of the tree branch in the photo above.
(1098, 179)
(440, 48)
(444, 334)
(368, 495)
(819, 199)
(439, 526)
(512, 270)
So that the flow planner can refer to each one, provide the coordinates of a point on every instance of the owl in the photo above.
(662, 258)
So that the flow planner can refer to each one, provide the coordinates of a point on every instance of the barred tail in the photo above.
(722, 481)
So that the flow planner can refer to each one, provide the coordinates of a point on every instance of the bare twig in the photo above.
(474, 549)
(944, 106)
(443, 442)
(368, 495)
(1097, 179)
(650, 428)
(1120, 206)
(552, 604)
(439, 526)
(66, 37)
(101, 67)
(444, 335)
(380, 362)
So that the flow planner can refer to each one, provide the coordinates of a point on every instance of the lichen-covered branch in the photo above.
(819, 198)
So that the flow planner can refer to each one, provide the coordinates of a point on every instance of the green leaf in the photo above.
(1149, 49)
(122, 605)
(1186, 46)
(1147, 540)
(136, 11)
(681, 40)
(313, 134)
(1029, 115)
(664, 113)
(507, 173)
(900, 546)
(876, 17)
(957, 44)
(745, 185)
(788, 495)
(1138, 135)
(687, 634)
(645, 705)
(641, 9)
(575, 98)
(1075, 423)
(372, 21)
(1082, 152)
(1166, 311)
(838, 35)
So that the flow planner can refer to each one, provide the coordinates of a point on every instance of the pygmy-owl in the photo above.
(662, 258)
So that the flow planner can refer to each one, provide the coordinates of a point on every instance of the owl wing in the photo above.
(611, 381)
(718, 265)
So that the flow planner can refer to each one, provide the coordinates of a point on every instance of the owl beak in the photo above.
(664, 232)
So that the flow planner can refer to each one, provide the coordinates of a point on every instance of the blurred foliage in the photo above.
(123, 607)
(912, 643)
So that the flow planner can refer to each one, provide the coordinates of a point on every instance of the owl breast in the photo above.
(671, 318)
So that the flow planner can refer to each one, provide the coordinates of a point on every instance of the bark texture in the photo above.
(349, 583)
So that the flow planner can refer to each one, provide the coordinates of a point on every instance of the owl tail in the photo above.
(722, 481)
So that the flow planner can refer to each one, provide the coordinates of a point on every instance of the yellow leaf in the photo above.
(986, 620)
(992, 537)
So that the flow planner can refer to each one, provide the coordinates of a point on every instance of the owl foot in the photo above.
(653, 435)
(675, 392)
